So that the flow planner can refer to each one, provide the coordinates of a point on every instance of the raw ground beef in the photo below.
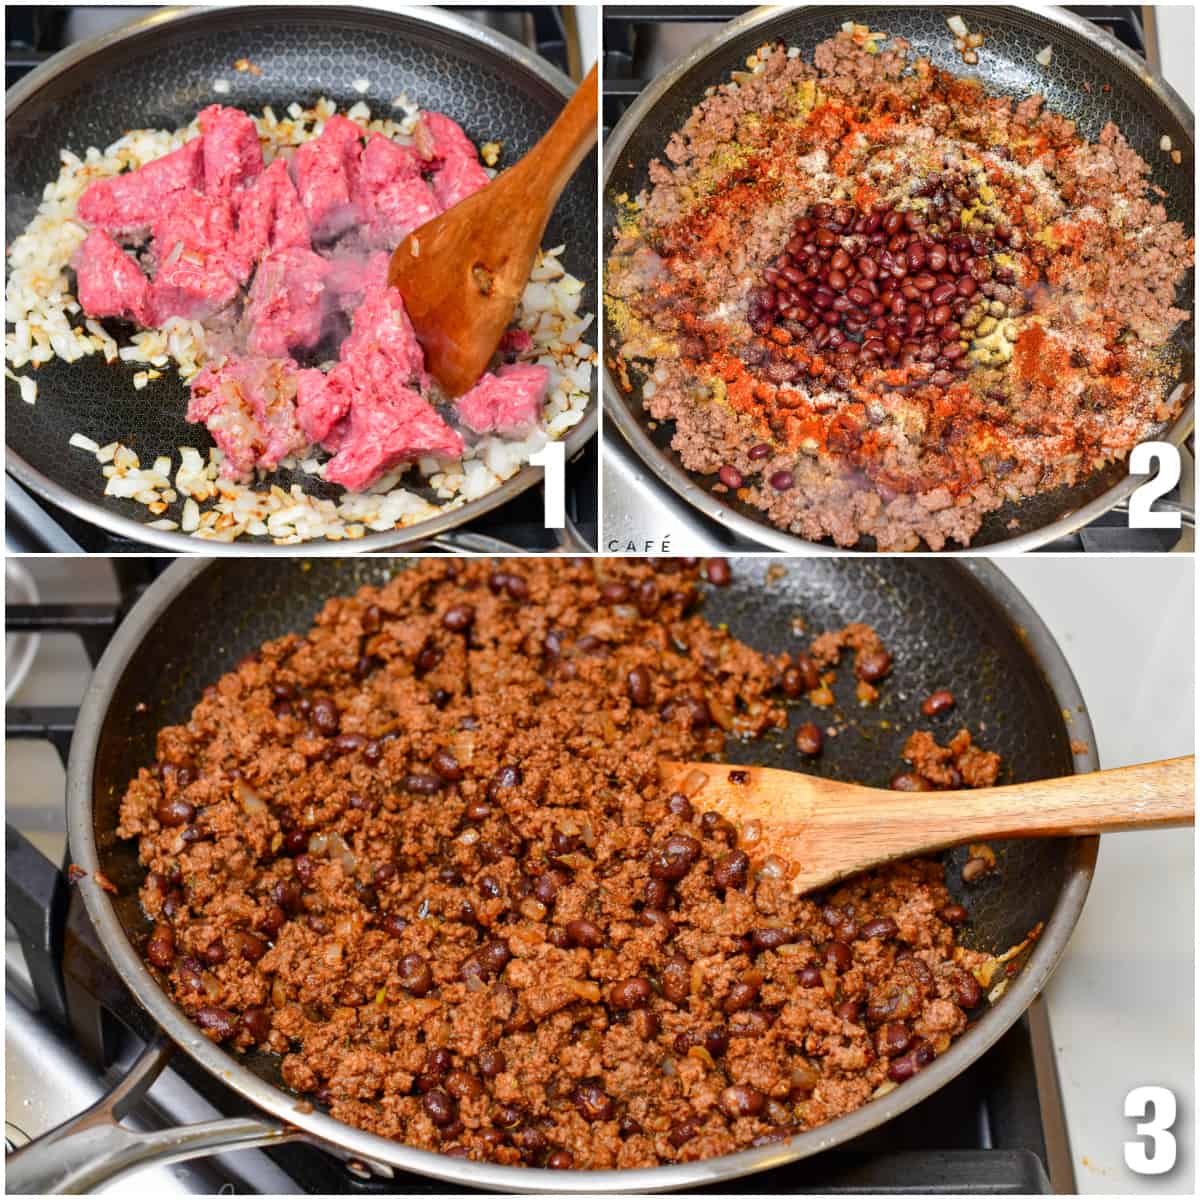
(279, 263)
(421, 853)
(1053, 362)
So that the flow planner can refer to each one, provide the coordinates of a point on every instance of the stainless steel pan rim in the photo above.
(182, 543)
(352, 1143)
(684, 484)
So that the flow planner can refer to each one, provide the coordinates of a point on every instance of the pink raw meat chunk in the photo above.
(386, 429)
(383, 162)
(129, 204)
(199, 271)
(321, 403)
(269, 215)
(232, 154)
(368, 411)
(457, 170)
(383, 347)
(508, 403)
(248, 405)
(109, 283)
(398, 209)
(325, 172)
(287, 302)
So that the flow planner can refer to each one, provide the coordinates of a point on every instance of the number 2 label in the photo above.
(1160, 1103)
(1141, 462)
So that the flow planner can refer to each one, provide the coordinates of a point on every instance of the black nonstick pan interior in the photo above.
(160, 78)
(1013, 36)
(944, 627)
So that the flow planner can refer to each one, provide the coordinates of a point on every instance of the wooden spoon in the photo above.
(823, 830)
(462, 273)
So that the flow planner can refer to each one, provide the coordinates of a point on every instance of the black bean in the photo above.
(640, 687)
(838, 956)
(295, 841)
(440, 1106)
(420, 784)
(393, 925)
(531, 1142)
(491, 1062)
(628, 994)
(954, 914)
(810, 977)
(415, 975)
(967, 989)
(583, 932)
(174, 812)
(504, 778)
(808, 739)
(732, 870)
(256, 1022)
(717, 570)
(648, 598)
(460, 618)
(893, 1039)
(219, 1023)
(214, 953)
(593, 1103)
(740, 997)
(873, 665)
(680, 805)
(880, 927)
(674, 858)
(462, 1085)
(447, 766)
(325, 716)
(909, 781)
(349, 743)
(938, 702)
(920, 1055)
(738, 1100)
(676, 979)
(560, 1160)
(656, 894)
(615, 592)
(683, 1132)
(286, 893)
(772, 938)
(160, 949)
(427, 658)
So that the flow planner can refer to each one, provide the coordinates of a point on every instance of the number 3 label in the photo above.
(1141, 462)
(1160, 1104)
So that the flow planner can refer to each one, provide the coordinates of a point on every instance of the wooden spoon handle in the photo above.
(552, 162)
(1145, 796)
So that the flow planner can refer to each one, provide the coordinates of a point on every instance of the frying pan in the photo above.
(158, 72)
(948, 624)
(1140, 102)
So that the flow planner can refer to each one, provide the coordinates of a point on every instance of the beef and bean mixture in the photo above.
(421, 853)
(876, 300)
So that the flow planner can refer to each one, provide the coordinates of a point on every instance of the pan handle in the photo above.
(94, 1148)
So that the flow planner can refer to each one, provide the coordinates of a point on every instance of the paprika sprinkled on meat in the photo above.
(924, 300)
(420, 852)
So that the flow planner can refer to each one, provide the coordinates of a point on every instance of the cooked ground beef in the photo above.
(421, 853)
(877, 301)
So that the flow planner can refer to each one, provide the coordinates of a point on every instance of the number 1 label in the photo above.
(552, 456)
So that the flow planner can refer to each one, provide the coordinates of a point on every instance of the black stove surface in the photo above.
(33, 33)
(996, 1129)
(624, 37)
